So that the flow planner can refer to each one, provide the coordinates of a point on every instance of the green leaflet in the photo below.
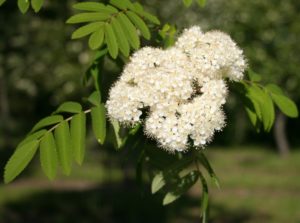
(274, 89)
(95, 98)
(201, 3)
(99, 123)
(263, 105)
(151, 18)
(187, 3)
(90, 6)
(19, 160)
(204, 161)
(64, 147)
(120, 36)
(37, 4)
(157, 183)
(48, 155)
(69, 107)
(140, 24)
(35, 136)
(269, 107)
(88, 17)
(111, 41)
(180, 187)
(204, 199)
(130, 30)
(253, 76)
(1, 2)
(50, 120)
(78, 134)
(86, 30)
(96, 39)
(286, 105)
(119, 4)
(23, 5)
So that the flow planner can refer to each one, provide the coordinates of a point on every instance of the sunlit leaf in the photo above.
(86, 30)
(120, 36)
(19, 160)
(37, 5)
(140, 24)
(78, 134)
(111, 41)
(34, 136)
(253, 76)
(64, 147)
(1, 2)
(201, 3)
(96, 39)
(187, 3)
(88, 17)
(50, 120)
(90, 6)
(286, 105)
(23, 5)
(130, 30)
(95, 98)
(48, 155)
(99, 122)
(69, 107)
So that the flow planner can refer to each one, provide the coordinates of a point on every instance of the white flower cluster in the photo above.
(182, 88)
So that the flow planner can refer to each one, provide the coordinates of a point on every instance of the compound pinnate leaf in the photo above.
(87, 29)
(64, 147)
(48, 155)
(140, 24)
(19, 160)
(99, 122)
(78, 134)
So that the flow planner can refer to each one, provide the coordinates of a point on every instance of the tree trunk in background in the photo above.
(280, 135)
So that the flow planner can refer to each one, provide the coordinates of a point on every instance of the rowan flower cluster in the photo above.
(182, 89)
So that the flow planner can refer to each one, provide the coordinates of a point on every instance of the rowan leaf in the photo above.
(140, 24)
(99, 122)
(86, 30)
(96, 39)
(111, 41)
(78, 134)
(63, 144)
(48, 155)
(19, 160)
